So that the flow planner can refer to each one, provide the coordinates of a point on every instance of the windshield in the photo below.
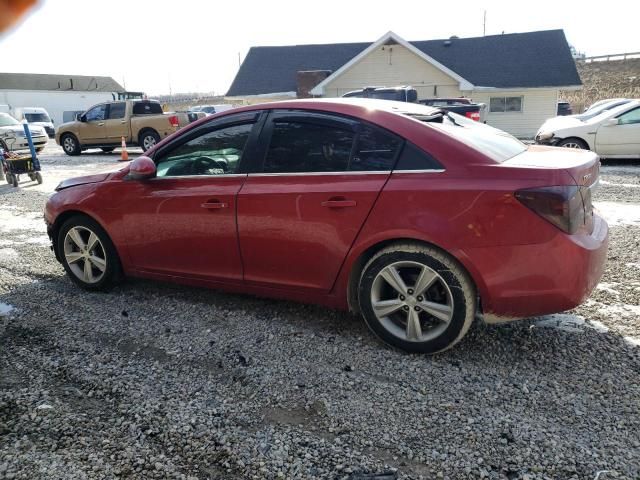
(496, 144)
(7, 120)
(37, 117)
(594, 112)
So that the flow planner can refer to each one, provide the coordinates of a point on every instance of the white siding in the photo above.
(395, 65)
(54, 102)
(537, 106)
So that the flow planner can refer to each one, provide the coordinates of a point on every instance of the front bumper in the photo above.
(552, 141)
(530, 280)
(21, 143)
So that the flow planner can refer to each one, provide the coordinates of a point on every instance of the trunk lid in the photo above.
(582, 165)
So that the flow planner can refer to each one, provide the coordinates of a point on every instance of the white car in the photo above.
(614, 133)
(36, 116)
(12, 135)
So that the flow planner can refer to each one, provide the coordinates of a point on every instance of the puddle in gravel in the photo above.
(5, 309)
(619, 213)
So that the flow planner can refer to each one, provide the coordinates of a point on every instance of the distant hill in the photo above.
(612, 79)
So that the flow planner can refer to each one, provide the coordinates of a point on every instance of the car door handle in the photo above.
(101, 124)
(338, 203)
(123, 122)
(214, 205)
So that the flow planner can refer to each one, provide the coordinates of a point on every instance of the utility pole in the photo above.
(484, 24)
(238, 59)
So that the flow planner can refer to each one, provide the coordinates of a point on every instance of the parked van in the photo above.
(36, 116)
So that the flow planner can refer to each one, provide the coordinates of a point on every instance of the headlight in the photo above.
(545, 136)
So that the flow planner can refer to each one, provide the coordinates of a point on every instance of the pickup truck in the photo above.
(461, 106)
(140, 122)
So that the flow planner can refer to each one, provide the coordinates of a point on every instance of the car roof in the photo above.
(631, 104)
(390, 106)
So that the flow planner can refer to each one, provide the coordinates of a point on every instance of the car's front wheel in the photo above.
(87, 254)
(417, 298)
(70, 145)
(573, 143)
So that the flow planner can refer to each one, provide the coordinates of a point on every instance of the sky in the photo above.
(174, 46)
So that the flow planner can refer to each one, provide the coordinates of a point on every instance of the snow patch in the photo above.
(562, 321)
(619, 213)
(633, 341)
(10, 221)
(620, 309)
(625, 185)
(607, 287)
(5, 309)
(8, 253)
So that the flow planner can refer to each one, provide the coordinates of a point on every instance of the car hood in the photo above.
(19, 130)
(95, 178)
(557, 123)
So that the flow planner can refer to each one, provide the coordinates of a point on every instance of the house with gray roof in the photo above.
(58, 94)
(517, 75)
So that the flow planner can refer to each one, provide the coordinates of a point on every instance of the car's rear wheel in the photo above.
(70, 144)
(416, 298)
(87, 254)
(148, 138)
(573, 143)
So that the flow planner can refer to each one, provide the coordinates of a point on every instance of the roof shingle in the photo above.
(531, 59)
(40, 81)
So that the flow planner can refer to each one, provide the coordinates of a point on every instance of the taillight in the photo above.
(473, 116)
(563, 206)
(173, 120)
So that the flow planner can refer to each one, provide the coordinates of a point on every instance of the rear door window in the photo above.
(303, 145)
(116, 110)
(376, 150)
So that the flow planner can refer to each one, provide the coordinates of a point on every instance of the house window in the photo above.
(505, 104)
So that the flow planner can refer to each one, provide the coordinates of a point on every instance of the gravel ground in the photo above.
(161, 381)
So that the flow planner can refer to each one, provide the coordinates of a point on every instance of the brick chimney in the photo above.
(307, 79)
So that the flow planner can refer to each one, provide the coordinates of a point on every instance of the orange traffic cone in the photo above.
(124, 156)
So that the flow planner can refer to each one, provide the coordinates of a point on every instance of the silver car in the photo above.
(12, 136)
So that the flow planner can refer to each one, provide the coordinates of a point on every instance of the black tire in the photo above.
(452, 284)
(9, 178)
(39, 178)
(147, 139)
(32, 177)
(15, 180)
(107, 149)
(113, 271)
(70, 144)
(573, 142)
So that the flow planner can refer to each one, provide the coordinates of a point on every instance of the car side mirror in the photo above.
(82, 118)
(142, 168)
(611, 122)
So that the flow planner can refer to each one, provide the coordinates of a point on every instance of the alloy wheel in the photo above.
(412, 301)
(85, 254)
(148, 141)
(69, 144)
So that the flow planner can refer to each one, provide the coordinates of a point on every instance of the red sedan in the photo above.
(415, 218)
